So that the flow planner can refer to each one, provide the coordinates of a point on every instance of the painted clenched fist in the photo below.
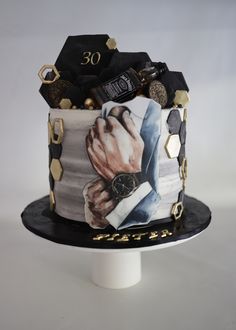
(98, 203)
(114, 147)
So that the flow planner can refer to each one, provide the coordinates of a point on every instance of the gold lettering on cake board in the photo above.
(165, 233)
(153, 234)
(124, 238)
(138, 237)
(99, 237)
(116, 237)
(113, 236)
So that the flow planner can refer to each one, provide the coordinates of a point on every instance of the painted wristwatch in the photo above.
(124, 184)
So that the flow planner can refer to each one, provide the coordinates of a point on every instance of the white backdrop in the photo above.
(190, 287)
(197, 38)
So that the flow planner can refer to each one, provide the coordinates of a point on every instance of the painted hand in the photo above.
(98, 203)
(114, 147)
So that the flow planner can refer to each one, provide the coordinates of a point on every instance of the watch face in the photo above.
(123, 185)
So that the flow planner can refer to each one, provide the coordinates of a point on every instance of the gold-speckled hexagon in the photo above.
(56, 169)
(173, 145)
(65, 104)
(177, 210)
(111, 43)
(48, 67)
(181, 98)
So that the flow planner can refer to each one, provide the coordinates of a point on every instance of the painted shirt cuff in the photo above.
(126, 205)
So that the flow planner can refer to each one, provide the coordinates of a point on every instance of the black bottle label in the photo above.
(117, 89)
(119, 86)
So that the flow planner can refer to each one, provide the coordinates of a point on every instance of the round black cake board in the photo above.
(38, 218)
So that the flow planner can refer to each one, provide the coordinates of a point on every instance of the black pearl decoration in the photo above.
(174, 121)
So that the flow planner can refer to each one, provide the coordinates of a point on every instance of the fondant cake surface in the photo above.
(78, 170)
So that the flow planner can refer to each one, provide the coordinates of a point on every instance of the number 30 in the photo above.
(92, 58)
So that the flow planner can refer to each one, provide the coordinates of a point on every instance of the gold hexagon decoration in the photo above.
(48, 67)
(52, 200)
(183, 169)
(177, 210)
(173, 145)
(56, 169)
(181, 97)
(111, 43)
(56, 127)
(65, 104)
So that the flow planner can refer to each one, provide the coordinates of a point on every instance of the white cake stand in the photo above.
(121, 268)
(111, 268)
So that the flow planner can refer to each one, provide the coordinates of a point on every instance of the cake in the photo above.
(117, 134)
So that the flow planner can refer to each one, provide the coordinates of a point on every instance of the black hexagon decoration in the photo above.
(174, 121)
(181, 154)
(51, 181)
(182, 132)
(181, 196)
(55, 150)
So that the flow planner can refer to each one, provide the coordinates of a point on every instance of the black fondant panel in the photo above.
(51, 181)
(174, 122)
(55, 150)
(181, 154)
(182, 132)
(40, 220)
(181, 196)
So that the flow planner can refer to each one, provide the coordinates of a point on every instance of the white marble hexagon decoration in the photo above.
(173, 145)
(181, 97)
(111, 43)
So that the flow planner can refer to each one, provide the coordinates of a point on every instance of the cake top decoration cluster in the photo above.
(91, 71)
